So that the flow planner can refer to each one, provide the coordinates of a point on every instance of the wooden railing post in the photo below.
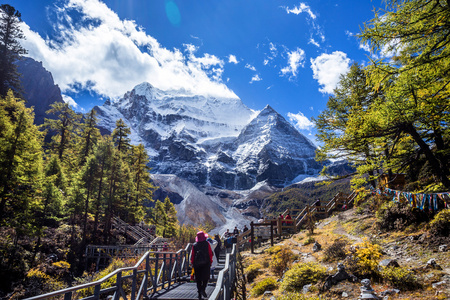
(279, 227)
(252, 237)
(133, 285)
(271, 233)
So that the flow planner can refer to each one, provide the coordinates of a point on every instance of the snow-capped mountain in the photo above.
(211, 141)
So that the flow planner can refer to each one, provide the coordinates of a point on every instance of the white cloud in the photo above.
(69, 100)
(313, 41)
(250, 67)
(327, 69)
(273, 49)
(296, 59)
(300, 121)
(255, 78)
(99, 51)
(232, 59)
(364, 47)
(302, 7)
(391, 49)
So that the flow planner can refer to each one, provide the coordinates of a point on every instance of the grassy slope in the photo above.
(402, 245)
(298, 195)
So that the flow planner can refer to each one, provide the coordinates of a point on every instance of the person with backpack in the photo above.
(213, 244)
(201, 260)
(218, 247)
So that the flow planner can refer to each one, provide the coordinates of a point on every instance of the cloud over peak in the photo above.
(99, 51)
(327, 69)
(302, 7)
(300, 121)
(296, 59)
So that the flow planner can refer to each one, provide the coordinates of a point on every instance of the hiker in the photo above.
(218, 247)
(318, 205)
(213, 245)
(201, 259)
(227, 234)
(245, 228)
(236, 231)
(288, 219)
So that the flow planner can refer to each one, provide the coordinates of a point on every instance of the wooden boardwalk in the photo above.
(182, 291)
(188, 290)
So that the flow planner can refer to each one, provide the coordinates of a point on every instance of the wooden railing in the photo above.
(280, 226)
(226, 277)
(155, 270)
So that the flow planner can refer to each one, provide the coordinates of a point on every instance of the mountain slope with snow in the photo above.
(211, 141)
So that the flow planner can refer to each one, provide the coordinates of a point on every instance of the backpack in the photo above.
(201, 256)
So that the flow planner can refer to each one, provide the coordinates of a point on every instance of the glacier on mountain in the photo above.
(211, 141)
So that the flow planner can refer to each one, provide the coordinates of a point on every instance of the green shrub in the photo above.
(440, 225)
(252, 271)
(400, 278)
(281, 260)
(267, 284)
(274, 249)
(359, 210)
(398, 216)
(364, 260)
(309, 240)
(302, 274)
(336, 251)
(297, 296)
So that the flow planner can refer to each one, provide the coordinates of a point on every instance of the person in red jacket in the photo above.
(201, 260)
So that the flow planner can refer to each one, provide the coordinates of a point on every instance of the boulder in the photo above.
(389, 262)
(317, 247)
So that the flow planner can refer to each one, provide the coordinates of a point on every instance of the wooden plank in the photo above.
(181, 291)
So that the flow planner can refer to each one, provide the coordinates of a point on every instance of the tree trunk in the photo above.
(441, 173)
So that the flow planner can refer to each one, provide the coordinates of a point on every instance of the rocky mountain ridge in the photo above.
(39, 88)
(210, 141)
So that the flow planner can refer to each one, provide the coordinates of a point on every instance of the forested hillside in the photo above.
(57, 197)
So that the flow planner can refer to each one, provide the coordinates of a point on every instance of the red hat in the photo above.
(201, 236)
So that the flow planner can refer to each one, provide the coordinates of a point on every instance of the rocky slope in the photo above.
(39, 88)
(413, 252)
(224, 209)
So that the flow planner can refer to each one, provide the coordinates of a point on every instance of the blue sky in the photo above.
(288, 54)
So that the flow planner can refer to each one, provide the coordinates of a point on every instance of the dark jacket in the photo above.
(202, 273)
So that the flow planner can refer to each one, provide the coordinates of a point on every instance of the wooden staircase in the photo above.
(140, 236)
(271, 228)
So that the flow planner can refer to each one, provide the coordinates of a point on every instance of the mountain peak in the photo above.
(143, 88)
(268, 108)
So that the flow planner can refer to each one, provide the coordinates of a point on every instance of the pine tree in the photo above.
(335, 125)
(102, 155)
(141, 181)
(171, 220)
(10, 48)
(88, 182)
(65, 125)
(415, 81)
(89, 135)
(120, 136)
(20, 160)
